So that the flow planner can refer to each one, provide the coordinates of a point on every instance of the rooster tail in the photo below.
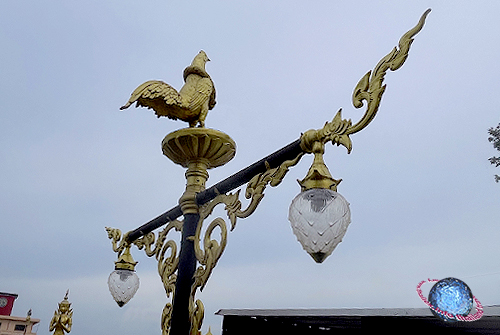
(127, 105)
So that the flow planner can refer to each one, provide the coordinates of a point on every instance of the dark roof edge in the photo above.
(493, 310)
(9, 294)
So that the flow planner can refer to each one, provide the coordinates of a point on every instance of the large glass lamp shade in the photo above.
(319, 219)
(123, 284)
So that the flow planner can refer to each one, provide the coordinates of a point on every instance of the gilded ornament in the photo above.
(62, 320)
(368, 89)
(318, 175)
(167, 254)
(209, 148)
(115, 235)
(337, 131)
(190, 104)
(125, 261)
(257, 185)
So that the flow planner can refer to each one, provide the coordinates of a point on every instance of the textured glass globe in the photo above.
(319, 218)
(123, 284)
(451, 295)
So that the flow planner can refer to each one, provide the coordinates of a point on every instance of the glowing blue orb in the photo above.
(451, 295)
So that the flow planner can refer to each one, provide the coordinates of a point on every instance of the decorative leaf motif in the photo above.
(370, 88)
(146, 242)
(115, 236)
(335, 131)
(210, 252)
(166, 318)
(196, 317)
(257, 185)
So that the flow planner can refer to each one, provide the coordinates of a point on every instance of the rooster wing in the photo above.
(160, 96)
(201, 96)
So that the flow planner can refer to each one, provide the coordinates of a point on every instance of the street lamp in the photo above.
(319, 215)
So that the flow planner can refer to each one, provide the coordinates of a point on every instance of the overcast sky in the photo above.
(423, 198)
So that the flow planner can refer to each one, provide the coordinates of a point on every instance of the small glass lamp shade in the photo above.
(123, 284)
(319, 218)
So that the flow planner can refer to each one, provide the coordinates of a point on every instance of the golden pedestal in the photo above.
(207, 146)
(197, 149)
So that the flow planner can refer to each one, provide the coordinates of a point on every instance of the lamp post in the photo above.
(319, 215)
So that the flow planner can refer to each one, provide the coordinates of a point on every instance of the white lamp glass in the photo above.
(123, 284)
(319, 218)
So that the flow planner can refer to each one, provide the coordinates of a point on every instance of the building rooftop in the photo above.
(493, 310)
(352, 321)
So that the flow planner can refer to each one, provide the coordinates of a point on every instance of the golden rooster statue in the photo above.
(190, 104)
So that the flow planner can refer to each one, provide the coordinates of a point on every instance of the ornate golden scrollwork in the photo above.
(118, 244)
(209, 254)
(257, 185)
(369, 89)
(197, 313)
(167, 255)
(335, 131)
(254, 192)
(370, 86)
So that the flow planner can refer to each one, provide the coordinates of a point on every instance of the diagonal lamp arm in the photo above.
(241, 177)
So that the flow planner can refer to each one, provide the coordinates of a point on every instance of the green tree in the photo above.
(495, 139)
